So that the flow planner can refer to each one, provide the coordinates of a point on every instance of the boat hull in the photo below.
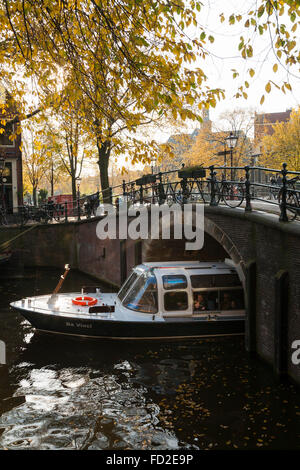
(113, 329)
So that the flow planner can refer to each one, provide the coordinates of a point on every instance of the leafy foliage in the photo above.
(283, 144)
(129, 63)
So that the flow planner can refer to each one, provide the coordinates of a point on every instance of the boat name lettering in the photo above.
(79, 325)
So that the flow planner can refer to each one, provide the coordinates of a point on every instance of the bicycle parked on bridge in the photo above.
(189, 189)
(193, 190)
(292, 197)
(54, 211)
(91, 205)
(34, 214)
(232, 193)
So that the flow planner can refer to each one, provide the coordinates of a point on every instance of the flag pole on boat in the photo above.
(62, 279)
(53, 296)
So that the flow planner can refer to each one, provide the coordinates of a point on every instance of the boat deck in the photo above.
(62, 305)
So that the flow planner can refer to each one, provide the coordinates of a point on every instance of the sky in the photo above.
(225, 56)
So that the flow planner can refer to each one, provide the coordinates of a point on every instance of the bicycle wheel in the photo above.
(56, 215)
(170, 195)
(233, 194)
(22, 217)
(178, 194)
(195, 191)
(207, 191)
(201, 192)
(292, 205)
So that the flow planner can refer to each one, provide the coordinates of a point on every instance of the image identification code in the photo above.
(153, 459)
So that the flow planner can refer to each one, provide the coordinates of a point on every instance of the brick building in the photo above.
(12, 179)
(263, 123)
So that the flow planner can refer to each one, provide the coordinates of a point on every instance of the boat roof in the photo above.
(190, 265)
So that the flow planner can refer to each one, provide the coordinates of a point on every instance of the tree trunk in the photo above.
(52, 180)
(104, 154)
(74, 189)
(34, 195)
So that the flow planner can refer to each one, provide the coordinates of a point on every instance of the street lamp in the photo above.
(78, 179)
(231, 141)
(153, 164)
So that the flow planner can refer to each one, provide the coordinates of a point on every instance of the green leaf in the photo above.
(261, 11)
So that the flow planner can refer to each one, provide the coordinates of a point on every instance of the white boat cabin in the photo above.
(183, 289)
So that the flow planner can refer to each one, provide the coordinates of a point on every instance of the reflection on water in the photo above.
(64, 393)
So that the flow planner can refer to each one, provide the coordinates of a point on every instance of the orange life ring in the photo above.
(84, 301)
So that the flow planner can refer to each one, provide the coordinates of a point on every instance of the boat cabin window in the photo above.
(142, 296)
(127, 285)
(174, 282)
(232, 299)
(198, 281)
(218, 300)
(216, 280)
(175, 301)
(206, 301)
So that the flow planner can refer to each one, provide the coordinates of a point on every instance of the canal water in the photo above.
(62, 393)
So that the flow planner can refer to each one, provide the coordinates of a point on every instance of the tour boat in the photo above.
(158, 300)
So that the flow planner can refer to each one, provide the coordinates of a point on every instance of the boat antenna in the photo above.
(62, 279)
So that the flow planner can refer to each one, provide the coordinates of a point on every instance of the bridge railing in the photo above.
(237, 186)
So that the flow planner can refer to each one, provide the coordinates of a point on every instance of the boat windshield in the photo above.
(127, 285)
(143, 294)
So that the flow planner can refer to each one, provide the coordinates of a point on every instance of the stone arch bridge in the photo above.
(265, 250)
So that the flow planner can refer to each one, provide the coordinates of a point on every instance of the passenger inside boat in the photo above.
(199, 302)
(218, 300)
(205, 301)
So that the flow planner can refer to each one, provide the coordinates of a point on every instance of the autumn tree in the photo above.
(210, 142)
(34, 158)
(55, 172)
(239, 121)
(70, 142)
(205, 149)
(284, 144)
(129, 63)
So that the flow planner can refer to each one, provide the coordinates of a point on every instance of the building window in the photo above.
(4, 138)
(7, 173)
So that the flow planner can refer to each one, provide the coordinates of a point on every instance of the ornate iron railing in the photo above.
(275, 190)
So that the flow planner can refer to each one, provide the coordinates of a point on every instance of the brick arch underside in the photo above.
(217, 247)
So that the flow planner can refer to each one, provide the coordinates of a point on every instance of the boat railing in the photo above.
(57, 310)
